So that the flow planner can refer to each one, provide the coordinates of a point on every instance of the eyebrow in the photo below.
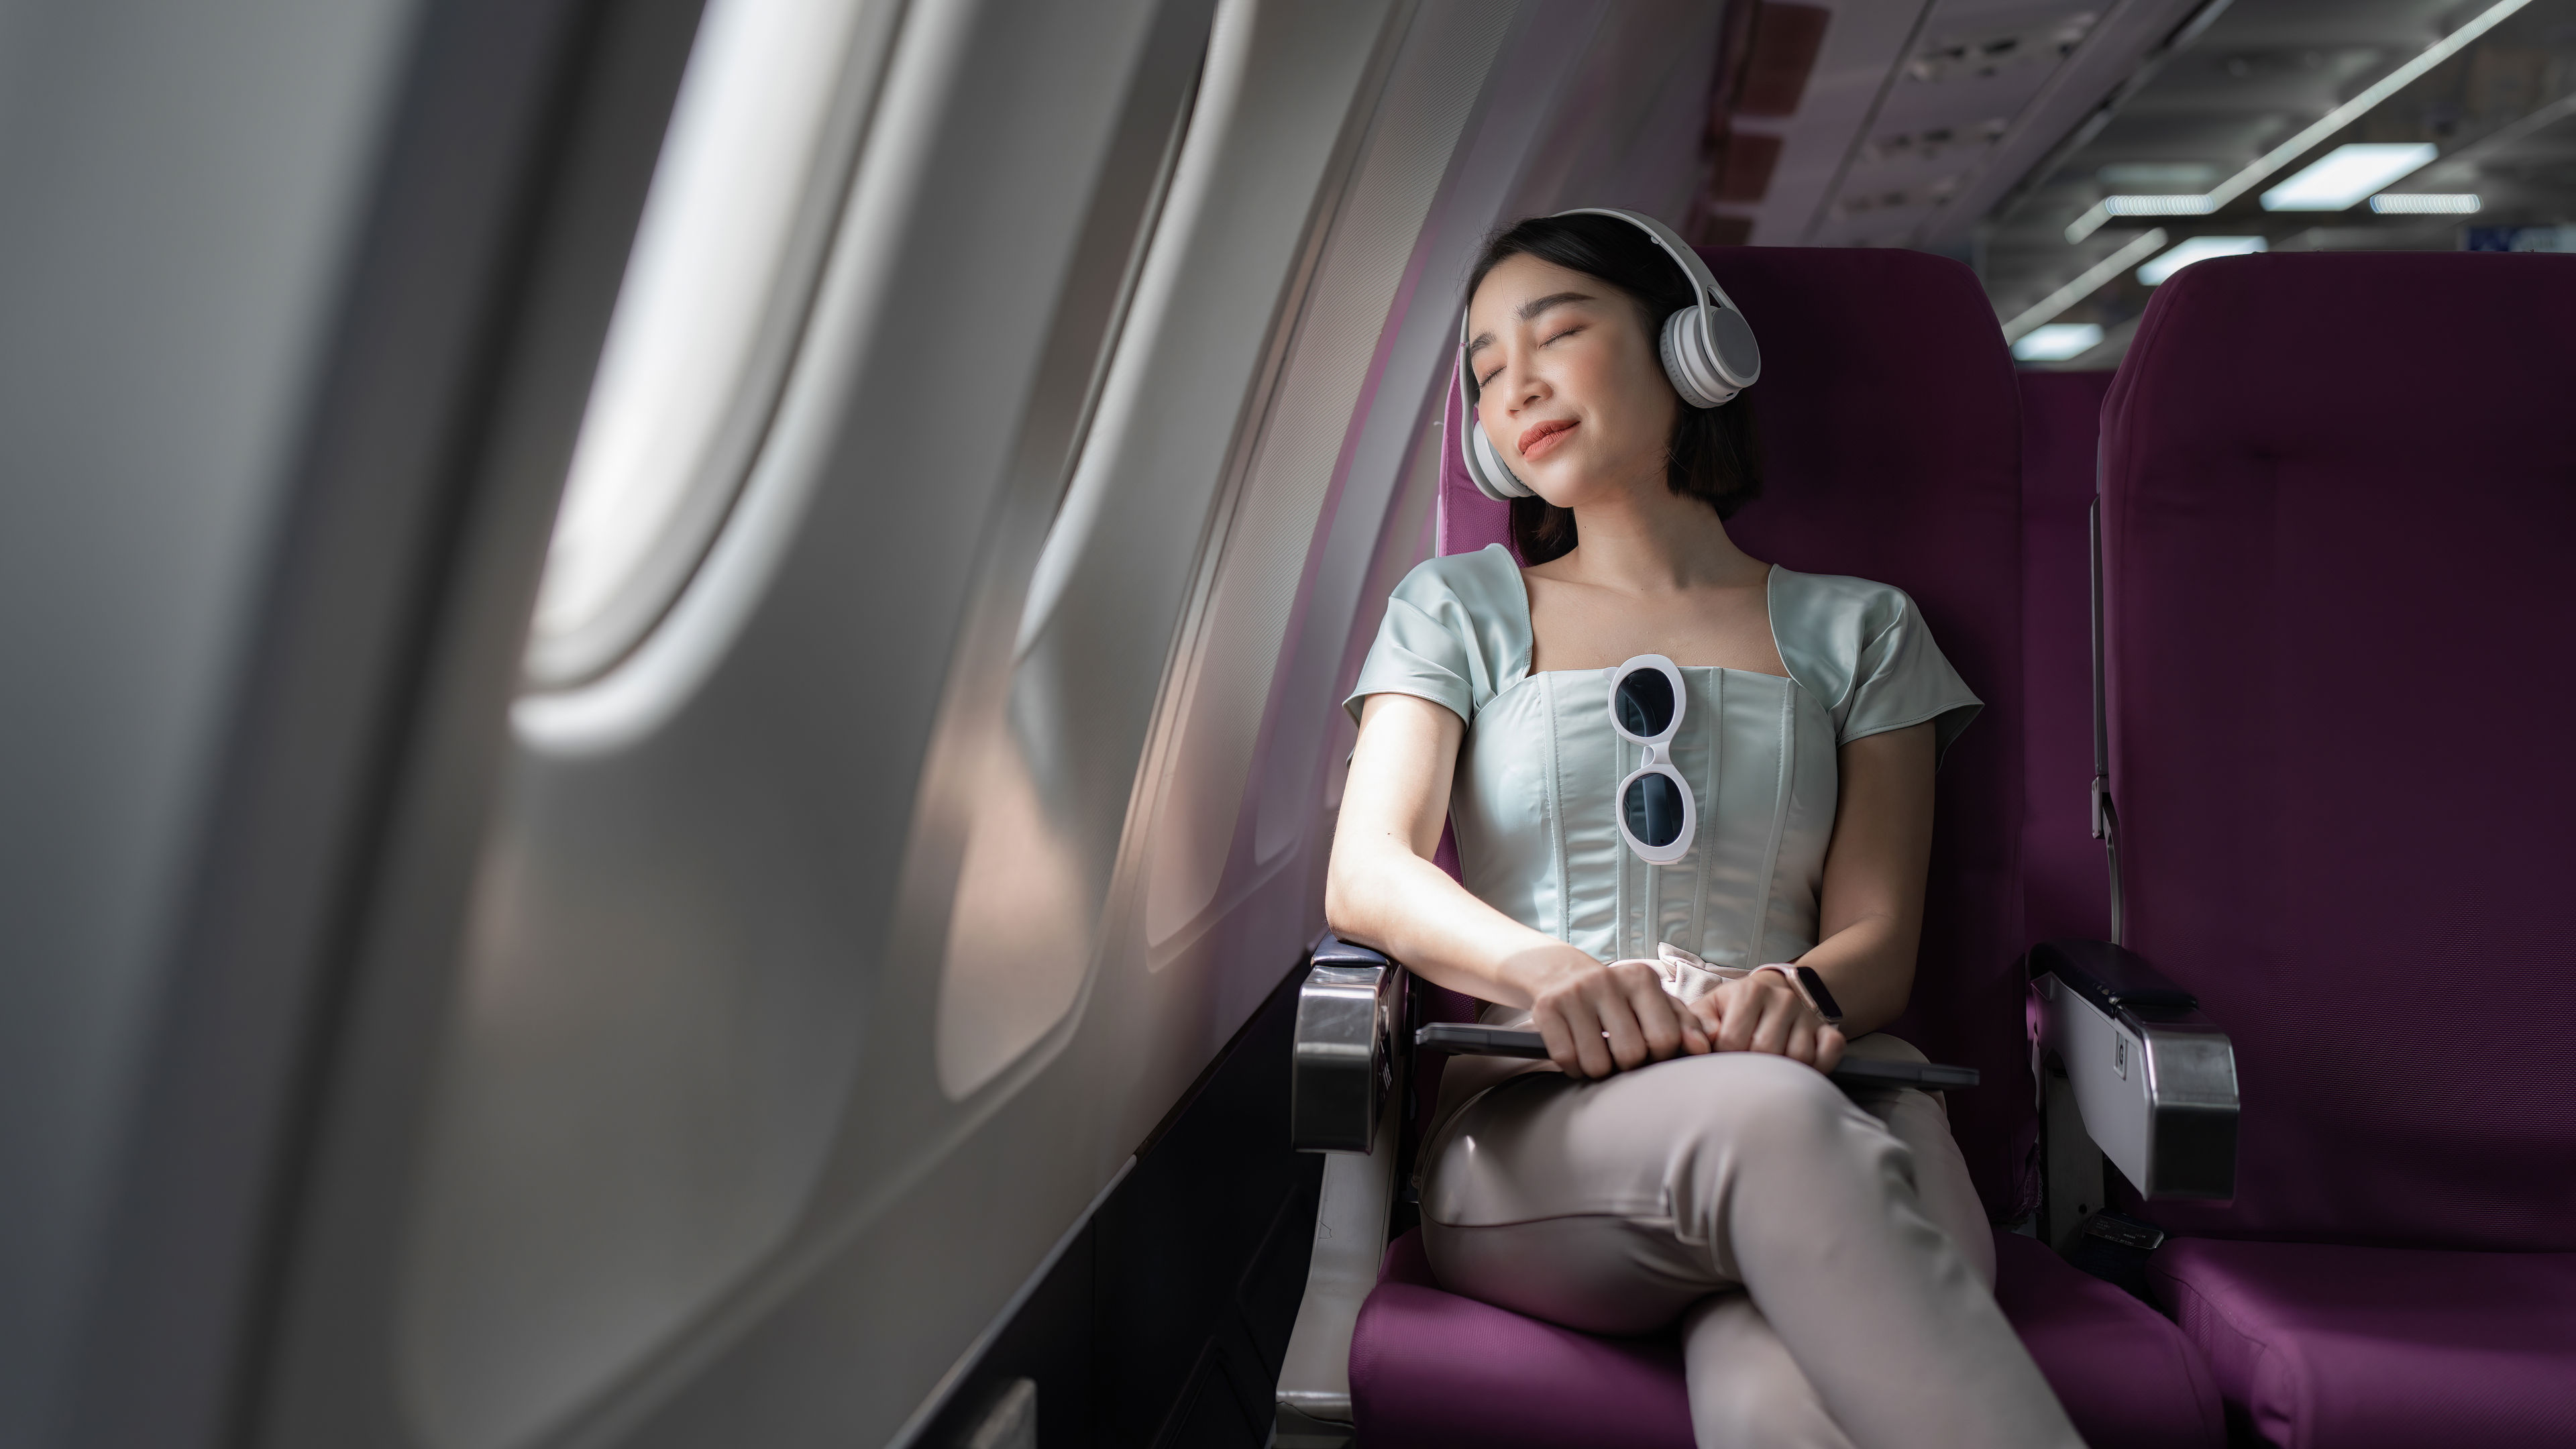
(1528, 310)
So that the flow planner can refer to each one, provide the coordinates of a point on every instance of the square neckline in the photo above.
(1529, 631)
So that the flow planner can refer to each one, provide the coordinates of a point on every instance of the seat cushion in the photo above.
(2328, 1347)
(2128, 1378)
(1432, 1369)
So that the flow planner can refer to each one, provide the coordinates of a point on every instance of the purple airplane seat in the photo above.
(2338, 498)
(1890, 428)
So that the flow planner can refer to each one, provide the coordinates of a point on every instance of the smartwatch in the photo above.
(1812, 986)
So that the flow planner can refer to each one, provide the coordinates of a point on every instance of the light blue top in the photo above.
(1532, 800)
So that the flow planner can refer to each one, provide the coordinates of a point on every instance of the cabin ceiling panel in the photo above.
(1915, 118)
(1863, 45)
(2490, 85)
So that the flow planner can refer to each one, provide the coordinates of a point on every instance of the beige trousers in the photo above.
(1825, 1254)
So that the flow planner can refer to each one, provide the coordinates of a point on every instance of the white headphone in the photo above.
(1708, 349)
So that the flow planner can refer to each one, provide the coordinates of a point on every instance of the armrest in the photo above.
(1342, 1064)
(2154, 1079)
(2113, 978)
(1311, 1406)
(1342, 1101)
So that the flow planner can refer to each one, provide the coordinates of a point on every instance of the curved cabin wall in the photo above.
(828, 956)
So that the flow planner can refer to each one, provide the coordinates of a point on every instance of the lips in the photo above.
(1538, 438)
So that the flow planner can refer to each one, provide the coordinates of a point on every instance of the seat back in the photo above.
(1890, 436)
(2065, 887)
(2339, 494)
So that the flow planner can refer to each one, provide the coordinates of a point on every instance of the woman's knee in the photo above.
(1754, 1108)
(1755, 1089)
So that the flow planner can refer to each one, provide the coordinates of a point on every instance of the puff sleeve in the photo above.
(1448, 634)
(1902, 678)
(1863, 651)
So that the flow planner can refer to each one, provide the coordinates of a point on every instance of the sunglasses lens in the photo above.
(1645, 703)
(1654, 806)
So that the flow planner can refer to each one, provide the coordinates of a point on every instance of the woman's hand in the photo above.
(1598, 1019)
(1764, 1013)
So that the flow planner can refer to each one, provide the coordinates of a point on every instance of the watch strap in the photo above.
(1811, 987)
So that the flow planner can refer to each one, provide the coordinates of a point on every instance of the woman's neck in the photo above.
(1652, 541)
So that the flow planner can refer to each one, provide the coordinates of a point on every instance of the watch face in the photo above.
(1818, 995)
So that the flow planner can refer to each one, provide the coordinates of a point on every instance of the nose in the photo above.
(1520, 383)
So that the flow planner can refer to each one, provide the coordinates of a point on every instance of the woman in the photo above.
(1636, 832)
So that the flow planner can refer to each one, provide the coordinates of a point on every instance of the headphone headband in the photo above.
(1695, 345)
(1703, 282)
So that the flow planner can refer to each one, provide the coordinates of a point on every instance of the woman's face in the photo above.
(1569, 387)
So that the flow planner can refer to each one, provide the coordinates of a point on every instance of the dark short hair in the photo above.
(1714, 455)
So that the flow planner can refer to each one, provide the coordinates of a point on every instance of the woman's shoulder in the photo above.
(1485, 584)
(1826, 626)
(1838, 595)
(1832, 618)
(1862, 649)
(1456, 631)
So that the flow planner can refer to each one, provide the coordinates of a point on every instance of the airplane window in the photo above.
(543, 1117)
(1027, 907)
(703, 325)
(1242, 649)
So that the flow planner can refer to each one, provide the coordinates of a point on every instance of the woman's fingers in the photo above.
(1572, 1033)
(1611, 1001)
(1658, 1016)
(1568, 1017)
(1558, 1034)
(1592, 1056)
(1753, 1000)
(1829, 1048)
(1800, 1042)
(1779, 1018)
(1737, 1011)
(1619, 1017)
(1695, 1035)
(1760, 1014)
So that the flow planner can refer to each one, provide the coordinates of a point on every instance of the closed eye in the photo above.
(1486, 378)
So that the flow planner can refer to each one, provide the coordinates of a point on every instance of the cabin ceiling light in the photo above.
(2156, 205)
(2058, 341)
(2333, 121)
(2425, 203)
(2029, 319)
(2173, 176)
(2198, 249)
(2346, 174)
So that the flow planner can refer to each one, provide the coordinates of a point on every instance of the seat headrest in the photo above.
(2380, 365)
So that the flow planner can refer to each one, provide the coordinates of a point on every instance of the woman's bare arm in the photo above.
(1383, 890)
(1870, 919)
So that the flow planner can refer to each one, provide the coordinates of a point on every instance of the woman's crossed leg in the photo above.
(1822, 1301)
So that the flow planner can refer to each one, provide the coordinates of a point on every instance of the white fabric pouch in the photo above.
(1688, 977)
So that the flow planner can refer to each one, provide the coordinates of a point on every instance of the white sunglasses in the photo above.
(1657, 816)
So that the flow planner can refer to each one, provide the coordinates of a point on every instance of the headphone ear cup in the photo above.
(1693, 372)
(1708, 371)
(1485, 466)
